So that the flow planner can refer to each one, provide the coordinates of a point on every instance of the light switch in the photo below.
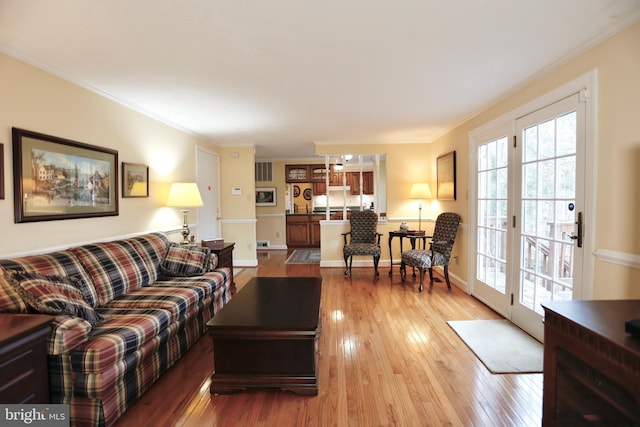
(236, 191)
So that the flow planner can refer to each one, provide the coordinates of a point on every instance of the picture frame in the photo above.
(1, 171)
(446, 171)
(57, 178)
(266, 196)
(135, 180)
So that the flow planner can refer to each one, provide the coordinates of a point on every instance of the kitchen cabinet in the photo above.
(319, 188)
(318, 173)
(303, 231)
(367, 182)
(297, 173)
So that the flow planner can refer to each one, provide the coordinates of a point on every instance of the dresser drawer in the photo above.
(24, 377)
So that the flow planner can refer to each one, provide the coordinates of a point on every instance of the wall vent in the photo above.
(261, 244)
(264, 172)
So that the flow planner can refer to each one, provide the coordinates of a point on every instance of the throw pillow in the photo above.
(213, 262)
(10, 300)
(185, 261)
(54, 295)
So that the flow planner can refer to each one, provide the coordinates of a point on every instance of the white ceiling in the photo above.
(285, 74)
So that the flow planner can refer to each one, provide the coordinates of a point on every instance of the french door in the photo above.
(530, 210)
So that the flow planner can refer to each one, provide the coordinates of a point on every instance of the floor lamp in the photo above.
(184, 195)
(420, 191)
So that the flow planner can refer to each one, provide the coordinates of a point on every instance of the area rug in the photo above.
(500, 345)
(304, 256)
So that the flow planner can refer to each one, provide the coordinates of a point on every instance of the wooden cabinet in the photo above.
(318, 173)
(315, 230)
(367, 183)
(303, 231)
(591, 366)
(319, 188)
(353, 181)
(297, 173)
(224, 251)
(298, 231)
(24, 377)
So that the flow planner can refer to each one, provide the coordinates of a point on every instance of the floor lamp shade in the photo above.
(420, 191)
(184, 195)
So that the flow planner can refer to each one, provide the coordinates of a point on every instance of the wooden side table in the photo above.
(24, 377)
(412, 235)
(225, 255)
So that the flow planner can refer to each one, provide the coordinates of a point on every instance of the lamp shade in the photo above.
(420, 191)
(184, 195)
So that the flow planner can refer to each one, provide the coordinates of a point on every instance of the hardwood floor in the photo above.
(386, 358)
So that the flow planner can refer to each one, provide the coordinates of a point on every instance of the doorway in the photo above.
(530, 210)
(208, 178)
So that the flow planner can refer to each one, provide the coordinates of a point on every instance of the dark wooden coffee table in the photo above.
(266, 336)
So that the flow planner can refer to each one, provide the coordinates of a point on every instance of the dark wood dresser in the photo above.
(591, 365)
(24, 377)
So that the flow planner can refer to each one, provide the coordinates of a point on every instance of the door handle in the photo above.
(578, 236)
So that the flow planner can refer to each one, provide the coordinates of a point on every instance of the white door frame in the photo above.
(587, 85)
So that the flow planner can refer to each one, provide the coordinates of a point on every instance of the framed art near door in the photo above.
(57, 178)
(446, 166)
(1, 171)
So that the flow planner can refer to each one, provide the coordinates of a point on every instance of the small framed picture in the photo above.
(266, 196)
(135, 180)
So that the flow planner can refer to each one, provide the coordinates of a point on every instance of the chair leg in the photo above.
(431, 274)
(403, 271)
(350, 263)
(421, 271)
(376, 259)
(346, 265)
(446, 276)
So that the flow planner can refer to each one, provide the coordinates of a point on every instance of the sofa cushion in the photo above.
(115, 267)
(185, 261)
(54, 295)
(152, 247)
(61, 263)
(209, 281)
(178, 300)
(125, 332)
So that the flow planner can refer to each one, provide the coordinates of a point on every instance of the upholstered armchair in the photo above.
(444, 235)
(364, 239)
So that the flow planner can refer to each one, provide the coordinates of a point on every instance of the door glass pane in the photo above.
(548, 194)
(492, 213)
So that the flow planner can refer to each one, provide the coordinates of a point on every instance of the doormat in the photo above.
(500, 345)
(304, 256)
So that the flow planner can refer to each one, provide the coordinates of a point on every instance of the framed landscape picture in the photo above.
(266, 196)
(446, 165)
(57, 178)
(135, 180)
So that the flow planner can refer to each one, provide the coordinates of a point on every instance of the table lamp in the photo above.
(184, 195)
(420, 191)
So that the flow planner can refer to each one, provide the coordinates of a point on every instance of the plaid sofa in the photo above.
(143, 320)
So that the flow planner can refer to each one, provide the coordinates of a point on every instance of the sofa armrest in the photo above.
(67, 332)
